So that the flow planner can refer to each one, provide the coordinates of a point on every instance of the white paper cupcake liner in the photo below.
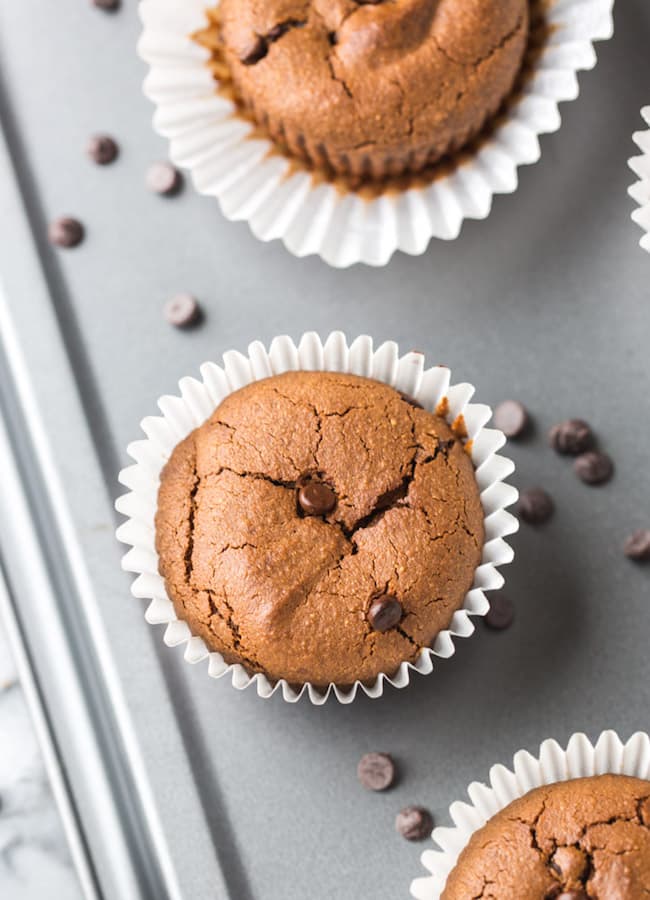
(254, 185)
(199, 399)
(580, 759)
(640, 191)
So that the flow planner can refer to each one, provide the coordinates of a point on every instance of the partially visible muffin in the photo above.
(373, 87)
(574, 840)
(319, 527)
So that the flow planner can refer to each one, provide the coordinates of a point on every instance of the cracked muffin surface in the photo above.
(373, 87)
(319, 527)
(585, 839)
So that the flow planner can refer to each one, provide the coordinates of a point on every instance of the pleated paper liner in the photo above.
(199, 398)
(640, 190)
(229, 159)
(580, 759)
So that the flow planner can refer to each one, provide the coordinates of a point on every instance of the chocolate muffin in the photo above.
(319, 527)
(372, 87)
(575, 840)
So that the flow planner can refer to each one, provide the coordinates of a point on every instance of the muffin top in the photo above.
(319, 527)
(375, 76)
(575, 840)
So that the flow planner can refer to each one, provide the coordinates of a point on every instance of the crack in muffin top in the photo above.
(585, 839)
(319, 527)
(389, 86)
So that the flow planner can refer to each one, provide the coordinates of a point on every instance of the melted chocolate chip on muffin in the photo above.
(318, 527)
(373, 89)
(586, 838)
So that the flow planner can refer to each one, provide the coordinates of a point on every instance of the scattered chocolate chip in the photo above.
(256, 50)
(571, 437)
(637, 545)
(535, 506)
(511, 417)
(333, 38)
(163, 178)
(376, 771)
(384, 613)
(501, 613)
(106, 4)
(414, 823)
(316, 498)
(182, 310)
(594, 467)
(65, 232)
(102, 149)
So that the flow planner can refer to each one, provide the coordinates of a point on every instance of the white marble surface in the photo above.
(34, 859)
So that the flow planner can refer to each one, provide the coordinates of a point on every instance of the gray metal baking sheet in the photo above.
(546, 301)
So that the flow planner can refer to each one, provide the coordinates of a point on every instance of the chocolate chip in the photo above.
(571, 437)
(535, 506)
(102, 149)
(594, 467)
(511, 417)
(637, 545)
(384, 613)
(65, 232)
(316, 498)
(501, 613)
(106, 4)
(256, 50)
(414, 823)
(182, 310)
(163, 178)
(376, 771)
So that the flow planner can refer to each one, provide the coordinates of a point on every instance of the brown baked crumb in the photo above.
(370, 90)
(590, 836)
(283, 580)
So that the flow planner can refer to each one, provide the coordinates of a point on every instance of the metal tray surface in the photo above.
(224, 794)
